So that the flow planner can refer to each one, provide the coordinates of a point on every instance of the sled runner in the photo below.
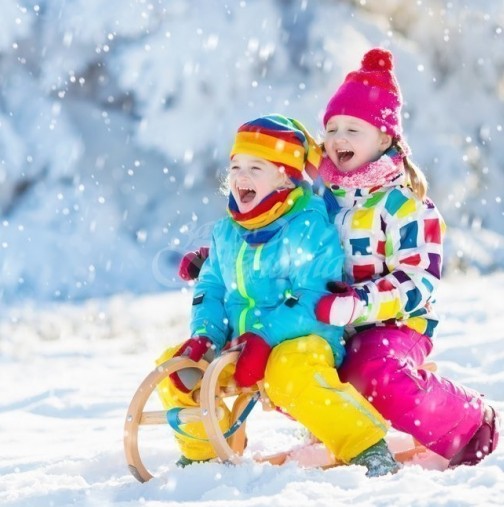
(230, 446)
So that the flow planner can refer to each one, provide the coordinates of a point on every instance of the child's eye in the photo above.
(256, 168)
(234, 168)
(352, 131)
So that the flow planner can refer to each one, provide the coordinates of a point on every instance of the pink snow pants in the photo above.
(383, 365)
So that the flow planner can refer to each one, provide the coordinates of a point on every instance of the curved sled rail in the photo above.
(136, 417)
(208, 403)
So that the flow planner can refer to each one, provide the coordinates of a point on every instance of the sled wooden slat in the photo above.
(135, 412)
(186, 415)
(156, 417)
(274, 459)
(409, 454)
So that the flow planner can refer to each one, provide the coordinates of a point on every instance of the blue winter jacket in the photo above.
(268, 281)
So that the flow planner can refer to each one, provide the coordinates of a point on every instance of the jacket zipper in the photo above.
(240, 282)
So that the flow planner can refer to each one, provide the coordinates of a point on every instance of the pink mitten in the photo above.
(340, 308)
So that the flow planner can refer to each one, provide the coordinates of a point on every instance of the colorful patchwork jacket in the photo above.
(267, 281)
(393, 254)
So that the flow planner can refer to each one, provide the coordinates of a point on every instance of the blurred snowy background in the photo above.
(116, 120)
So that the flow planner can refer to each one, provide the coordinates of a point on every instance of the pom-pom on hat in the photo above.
(371, 94)
(281, 140)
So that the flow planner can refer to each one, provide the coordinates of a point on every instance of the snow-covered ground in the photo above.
(68, 373)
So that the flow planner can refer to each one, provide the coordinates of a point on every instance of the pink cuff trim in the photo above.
(323, 308)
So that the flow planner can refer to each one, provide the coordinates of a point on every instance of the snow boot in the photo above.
(482, 443)
(377, 459)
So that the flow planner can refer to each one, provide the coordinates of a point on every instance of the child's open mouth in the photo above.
(246, 194)
(344, 155)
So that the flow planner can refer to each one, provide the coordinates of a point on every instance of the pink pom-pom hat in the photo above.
(371, 94)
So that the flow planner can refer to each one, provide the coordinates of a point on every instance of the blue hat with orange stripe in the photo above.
(281, 140)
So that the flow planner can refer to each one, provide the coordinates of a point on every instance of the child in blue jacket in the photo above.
(269, 262)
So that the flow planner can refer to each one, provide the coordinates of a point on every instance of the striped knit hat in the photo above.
(283, 141)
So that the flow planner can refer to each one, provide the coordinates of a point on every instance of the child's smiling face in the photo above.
(251, 179)
(351, 142)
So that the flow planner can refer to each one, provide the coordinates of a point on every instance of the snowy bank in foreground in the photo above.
(70, 373)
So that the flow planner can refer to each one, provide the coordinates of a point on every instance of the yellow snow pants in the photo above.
(172, 397)
(301, 379)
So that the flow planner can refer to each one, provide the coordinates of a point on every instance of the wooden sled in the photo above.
(229, 450)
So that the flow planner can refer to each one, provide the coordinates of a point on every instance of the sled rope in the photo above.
(173, 419)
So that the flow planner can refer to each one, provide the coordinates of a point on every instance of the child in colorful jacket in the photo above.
(268, 265)
(392, 237)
